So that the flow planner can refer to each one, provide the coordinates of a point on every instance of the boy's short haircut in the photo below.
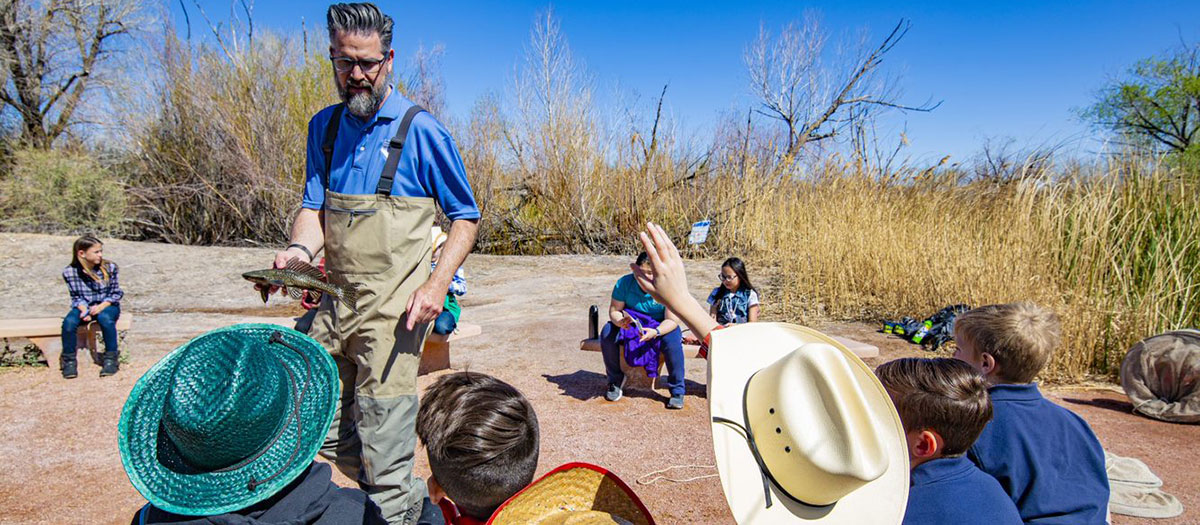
(481, 435)
(1021, 337)
(944, 395)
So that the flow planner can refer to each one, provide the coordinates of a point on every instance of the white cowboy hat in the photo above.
(802, 429)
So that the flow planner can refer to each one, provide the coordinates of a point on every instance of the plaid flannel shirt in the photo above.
(86, 291)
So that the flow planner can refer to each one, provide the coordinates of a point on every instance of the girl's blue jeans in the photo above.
(672, 345)
(107, 319)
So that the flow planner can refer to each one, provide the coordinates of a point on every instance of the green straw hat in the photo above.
(228, 419)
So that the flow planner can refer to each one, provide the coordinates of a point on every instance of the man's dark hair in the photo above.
(944, 395)
(363, 18)
(481, 435)
(641, 258)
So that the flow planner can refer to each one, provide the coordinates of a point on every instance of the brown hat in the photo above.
(574, 494)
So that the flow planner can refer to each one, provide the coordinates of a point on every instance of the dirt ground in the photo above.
(60, 436)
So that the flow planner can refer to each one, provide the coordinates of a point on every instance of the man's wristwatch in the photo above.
(303, 248)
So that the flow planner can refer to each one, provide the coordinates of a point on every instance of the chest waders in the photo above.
(380, 242)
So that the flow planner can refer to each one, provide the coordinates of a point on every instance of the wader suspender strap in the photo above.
(395, 147)
(331, 131)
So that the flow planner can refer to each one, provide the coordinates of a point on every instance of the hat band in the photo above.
(767, 478)
(277, 337)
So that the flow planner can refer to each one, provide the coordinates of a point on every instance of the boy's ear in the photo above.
(435, 490)
(989, 364)
(927, 444)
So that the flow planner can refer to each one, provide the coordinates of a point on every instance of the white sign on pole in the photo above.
(699, 232)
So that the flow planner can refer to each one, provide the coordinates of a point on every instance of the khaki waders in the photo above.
(381, 242)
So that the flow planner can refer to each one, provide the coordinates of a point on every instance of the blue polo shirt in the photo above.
(952, 491)
(429, 165)
(1045, 457)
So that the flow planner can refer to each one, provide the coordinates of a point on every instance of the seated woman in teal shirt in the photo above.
(629, 301)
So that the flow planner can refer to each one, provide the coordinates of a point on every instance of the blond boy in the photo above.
(1045, 457)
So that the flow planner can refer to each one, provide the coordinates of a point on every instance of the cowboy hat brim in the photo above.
(155, 467)
(573, 493)
(735, 354)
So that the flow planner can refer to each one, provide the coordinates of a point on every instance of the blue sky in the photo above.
(1002, 69)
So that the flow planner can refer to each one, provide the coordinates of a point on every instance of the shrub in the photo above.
(61, 191)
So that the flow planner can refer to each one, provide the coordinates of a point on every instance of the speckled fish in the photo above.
(299, 275)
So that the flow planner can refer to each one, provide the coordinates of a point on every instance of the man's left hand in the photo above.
(425, 304)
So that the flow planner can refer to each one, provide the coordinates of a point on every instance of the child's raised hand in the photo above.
(669, 283)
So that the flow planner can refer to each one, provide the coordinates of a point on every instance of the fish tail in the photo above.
(347, 294)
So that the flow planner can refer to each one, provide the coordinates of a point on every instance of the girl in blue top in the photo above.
(95, 296)
(735, 300)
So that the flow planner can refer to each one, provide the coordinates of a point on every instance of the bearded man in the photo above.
(377, 166)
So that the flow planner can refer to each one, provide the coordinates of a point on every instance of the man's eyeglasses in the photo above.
(368, 65)
(724, 277)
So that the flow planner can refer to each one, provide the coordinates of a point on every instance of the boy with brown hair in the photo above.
(1045, 457)
(482, 438)
(944, 405)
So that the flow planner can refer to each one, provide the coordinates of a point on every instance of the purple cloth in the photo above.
(638, 353)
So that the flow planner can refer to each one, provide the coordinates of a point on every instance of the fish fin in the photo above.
(303, 268)
(295, 292)
(347, 294)
(265, 291)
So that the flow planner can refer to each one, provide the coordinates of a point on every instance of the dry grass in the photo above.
(1115, 252)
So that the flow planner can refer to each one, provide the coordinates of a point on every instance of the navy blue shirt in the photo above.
(429, 164)
(1045, 457)
(954, 491)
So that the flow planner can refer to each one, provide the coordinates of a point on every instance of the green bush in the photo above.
(60, 191)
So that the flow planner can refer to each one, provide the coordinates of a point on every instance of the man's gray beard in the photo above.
(363, 105)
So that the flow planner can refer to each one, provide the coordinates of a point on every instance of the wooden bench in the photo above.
(436, 354)
(46, 334)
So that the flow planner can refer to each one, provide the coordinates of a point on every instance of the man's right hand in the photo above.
(281, 261)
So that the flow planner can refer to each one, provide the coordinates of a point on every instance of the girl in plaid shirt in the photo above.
(95, 296)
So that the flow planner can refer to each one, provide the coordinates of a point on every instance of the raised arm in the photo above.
(669, 285)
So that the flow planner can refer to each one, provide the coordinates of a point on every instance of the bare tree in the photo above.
(795, 85)
(51, 51)
(424, 84)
